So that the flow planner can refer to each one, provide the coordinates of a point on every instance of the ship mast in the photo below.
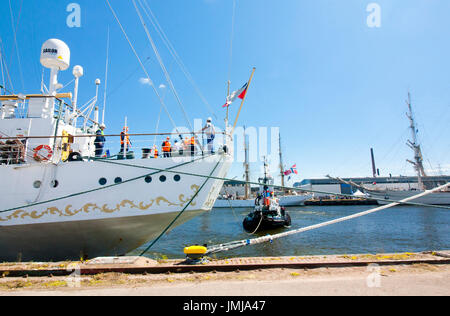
(415, 146)
(281, 161)
(266, 180)
(246, 168)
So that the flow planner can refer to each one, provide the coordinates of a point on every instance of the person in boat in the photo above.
(124, 139)
(167, 148)
(266, 196)
(99, 141)
(210, 133)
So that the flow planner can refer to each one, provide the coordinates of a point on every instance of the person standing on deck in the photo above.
(192, 143)
(167, 148)
(155, 152)
(210, 134)
(186, 144)
(178, 148)
(99, 141)
(124, 140)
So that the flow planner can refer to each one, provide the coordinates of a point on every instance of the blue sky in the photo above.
(333, 85)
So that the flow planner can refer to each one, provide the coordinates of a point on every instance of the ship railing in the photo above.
(60, 110)
(152, 147)
(14, 150)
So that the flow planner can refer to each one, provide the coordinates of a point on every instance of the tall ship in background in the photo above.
(423, 180)
(59, 203)
(387, 189)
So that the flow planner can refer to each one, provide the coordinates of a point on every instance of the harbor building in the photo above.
(350, 185)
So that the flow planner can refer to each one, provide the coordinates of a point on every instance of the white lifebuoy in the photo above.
(43, 153)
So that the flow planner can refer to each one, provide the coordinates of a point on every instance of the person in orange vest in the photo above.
(124, 139)
(267, 196)
(186, 143)
(155, 151)
(192, 145)
(167, 148)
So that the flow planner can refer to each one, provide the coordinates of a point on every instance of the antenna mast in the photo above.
(106, 78)
(3, 75)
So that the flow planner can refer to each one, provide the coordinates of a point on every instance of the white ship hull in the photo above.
(438, 198)
(288, 200)
(83, 218)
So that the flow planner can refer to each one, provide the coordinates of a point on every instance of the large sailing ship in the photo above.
(423, 182)
(58, 202)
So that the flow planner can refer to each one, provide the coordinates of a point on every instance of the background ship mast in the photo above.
(281, 161)
(246, 168)
(415, 146)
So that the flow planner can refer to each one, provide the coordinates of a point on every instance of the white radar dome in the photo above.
(55, 54)
(78, 71)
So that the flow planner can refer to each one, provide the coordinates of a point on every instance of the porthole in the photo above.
(54, 184)
(102, 181)
(37, 184)
(177, 178)
(118, 180)
(162, 178)
(148, 179)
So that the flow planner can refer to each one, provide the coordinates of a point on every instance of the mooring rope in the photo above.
(284, 187)
(180, 213)
(269, 238)
(102, 188)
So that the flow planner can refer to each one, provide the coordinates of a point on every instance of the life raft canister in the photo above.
(65, 146)
(42, 153)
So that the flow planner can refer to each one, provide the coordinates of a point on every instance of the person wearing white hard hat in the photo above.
(210, 133)
(99, 141)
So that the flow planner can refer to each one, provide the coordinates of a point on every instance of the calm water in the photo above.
(400, 229)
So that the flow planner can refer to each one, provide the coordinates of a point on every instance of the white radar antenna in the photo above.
(55, 55)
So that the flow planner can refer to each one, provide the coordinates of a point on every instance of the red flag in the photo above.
(292, 170)
(244, 92)
(236, 94)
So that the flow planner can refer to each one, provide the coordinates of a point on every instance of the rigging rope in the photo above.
(150, 81)
(15, 40)
(106, 79)
(174, 54)
(161, 63)
(157, 124)
(231, 42)
(6, 68)
(1, 66)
